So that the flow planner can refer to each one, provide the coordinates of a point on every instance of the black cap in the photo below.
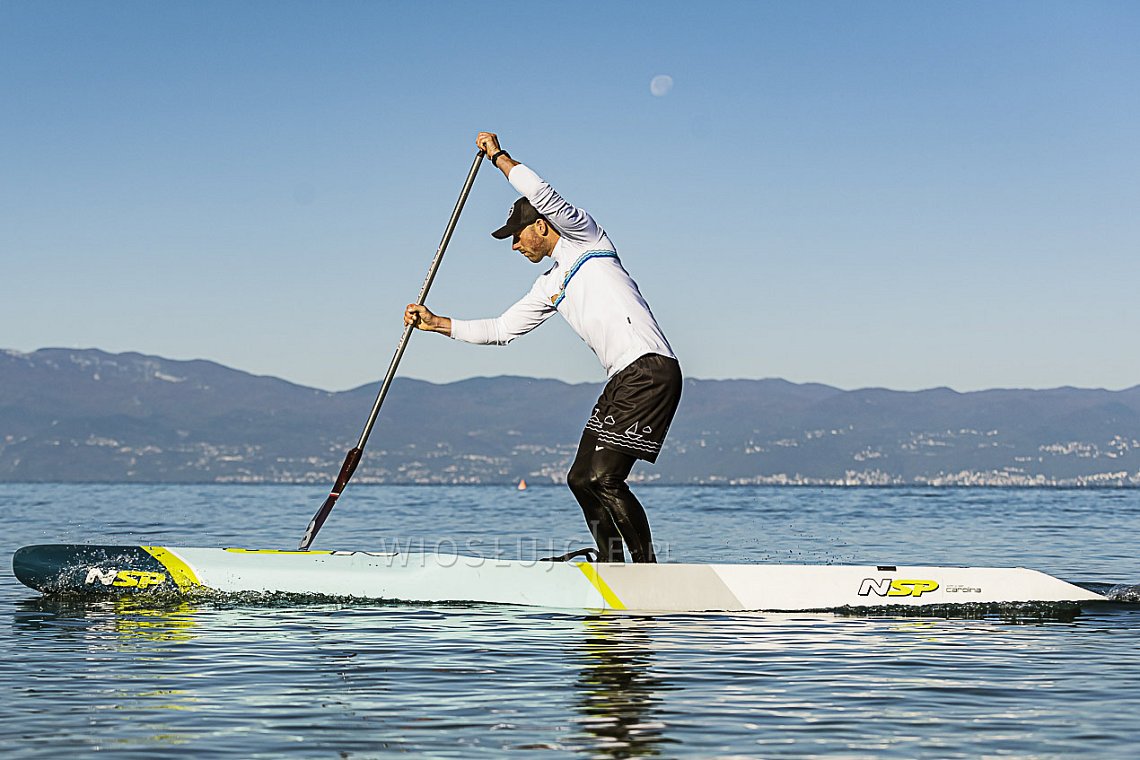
(522, 215)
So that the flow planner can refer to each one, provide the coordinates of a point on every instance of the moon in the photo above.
(660, 85)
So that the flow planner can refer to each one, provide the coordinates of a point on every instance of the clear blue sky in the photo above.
(887, 194)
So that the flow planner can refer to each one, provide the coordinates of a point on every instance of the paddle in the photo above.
(353, 457)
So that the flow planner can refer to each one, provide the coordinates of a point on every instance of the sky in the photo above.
(873, 194)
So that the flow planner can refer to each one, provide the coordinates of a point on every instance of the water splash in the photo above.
(1019, 613)
(1124, 593)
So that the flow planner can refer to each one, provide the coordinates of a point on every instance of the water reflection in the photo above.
(129, 619)
(618, 690)
(359, 679)
(103, 659)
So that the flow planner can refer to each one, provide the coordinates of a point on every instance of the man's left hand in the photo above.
(488, 142)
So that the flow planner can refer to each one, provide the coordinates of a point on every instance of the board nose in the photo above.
(86, 569)
(30, 568)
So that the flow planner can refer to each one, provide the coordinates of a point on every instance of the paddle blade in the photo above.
(346, 470)
(317, 521)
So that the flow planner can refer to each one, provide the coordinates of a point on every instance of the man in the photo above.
(589, 287)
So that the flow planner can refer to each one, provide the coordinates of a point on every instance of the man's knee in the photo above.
(579, 479)
(594, 481)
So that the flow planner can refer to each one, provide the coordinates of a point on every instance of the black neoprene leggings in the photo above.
(613, 513)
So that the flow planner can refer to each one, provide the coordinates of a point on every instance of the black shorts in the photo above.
(636, 407)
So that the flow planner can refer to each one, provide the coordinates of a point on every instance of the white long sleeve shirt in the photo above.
(587, 285)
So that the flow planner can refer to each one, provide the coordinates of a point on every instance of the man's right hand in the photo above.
(420, 317)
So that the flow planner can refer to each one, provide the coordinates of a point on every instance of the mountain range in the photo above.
(90, 416)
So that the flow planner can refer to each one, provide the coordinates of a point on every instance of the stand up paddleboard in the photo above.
(441, 578)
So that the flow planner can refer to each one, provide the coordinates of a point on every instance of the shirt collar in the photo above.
(560, 254)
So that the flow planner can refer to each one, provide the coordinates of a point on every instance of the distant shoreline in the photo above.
(89, 416)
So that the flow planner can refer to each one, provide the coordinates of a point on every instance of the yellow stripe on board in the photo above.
(180, 572)
(279, 551)
(595, 578)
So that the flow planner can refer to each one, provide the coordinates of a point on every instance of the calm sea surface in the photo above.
(334, 680)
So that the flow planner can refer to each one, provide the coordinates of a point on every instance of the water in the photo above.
(352, 680)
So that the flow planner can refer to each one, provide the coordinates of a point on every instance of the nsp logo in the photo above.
(124, 578)
(896, 587)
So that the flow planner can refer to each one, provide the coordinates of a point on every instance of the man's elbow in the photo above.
(504, 339)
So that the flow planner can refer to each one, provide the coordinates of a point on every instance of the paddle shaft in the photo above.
(354, 454)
